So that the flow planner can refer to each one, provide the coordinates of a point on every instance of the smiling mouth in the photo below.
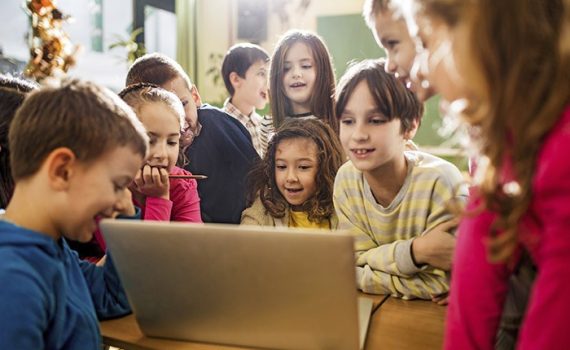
(362, 151)
(293, 190)
(263, 95)
(297, 85)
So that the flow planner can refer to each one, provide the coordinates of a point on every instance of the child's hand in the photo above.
(125, 206)
(153, 182)
(441, 299)
(435, 247)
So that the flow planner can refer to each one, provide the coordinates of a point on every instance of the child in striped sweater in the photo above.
(394, 201)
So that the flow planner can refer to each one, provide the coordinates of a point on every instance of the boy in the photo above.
(391, 33)
(217, 145)
(74, 151)
(394, 201)
(244, 70)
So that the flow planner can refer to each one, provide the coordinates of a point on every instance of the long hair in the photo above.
(510, 54)
(322, 99)
(261, 180)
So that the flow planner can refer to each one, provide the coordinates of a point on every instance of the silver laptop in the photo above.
(240, 285)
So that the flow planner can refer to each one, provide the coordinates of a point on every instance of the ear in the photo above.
(196, 96)
(235, 80)
(60, 165)
(409, 135)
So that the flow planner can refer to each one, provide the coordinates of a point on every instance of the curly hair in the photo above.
(261, 180)
(518, 75)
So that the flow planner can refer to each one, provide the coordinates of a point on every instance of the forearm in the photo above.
(157, 209)
(422, 285)
(392, 258)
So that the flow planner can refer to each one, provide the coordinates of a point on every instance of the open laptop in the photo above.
(240, 285)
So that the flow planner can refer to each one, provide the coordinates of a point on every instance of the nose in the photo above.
(291, 175)
(159, 151)
(296, 72)
(391, 65)
(360, 132)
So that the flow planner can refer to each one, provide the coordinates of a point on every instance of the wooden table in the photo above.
(407, 324)
(395, 324)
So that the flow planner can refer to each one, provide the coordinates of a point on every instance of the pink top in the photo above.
(478, 288)
(184, 203)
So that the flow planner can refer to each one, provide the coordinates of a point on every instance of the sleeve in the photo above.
(386, 268)
(478, 288)
(157, 209)
(186, 202)
(107, 293)
(545, 324)
(24, 306)
(252, 215)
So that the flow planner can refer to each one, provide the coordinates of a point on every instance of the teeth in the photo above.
(361, 151)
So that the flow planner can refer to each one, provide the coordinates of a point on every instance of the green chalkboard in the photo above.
(349, 39)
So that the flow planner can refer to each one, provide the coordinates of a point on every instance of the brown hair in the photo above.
(87, 119)
(12, 93)
(261, 180)
(156, 68)
(519, 83)
(371, 8)
(322, 100)
(137, 95)
(392, 98)
(238, 59)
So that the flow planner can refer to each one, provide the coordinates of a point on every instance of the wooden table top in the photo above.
(395, 324)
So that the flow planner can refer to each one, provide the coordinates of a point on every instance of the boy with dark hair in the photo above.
(245, 70)
(74, 151)
(394, 201)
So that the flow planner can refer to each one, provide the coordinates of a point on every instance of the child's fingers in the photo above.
(138, 181)
(156, 176)
(147, 174)
(164, 176)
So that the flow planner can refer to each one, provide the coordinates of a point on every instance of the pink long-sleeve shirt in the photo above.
(478, 287)
(184, 203)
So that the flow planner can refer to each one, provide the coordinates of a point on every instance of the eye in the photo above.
(346, 121)
(173, 143)
(286, 68)
(390, 44)
(378, 120)
(280, 167)
(307, 66)
(305, 167)
(184, 103)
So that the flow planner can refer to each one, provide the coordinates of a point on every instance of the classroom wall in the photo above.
(218, 30)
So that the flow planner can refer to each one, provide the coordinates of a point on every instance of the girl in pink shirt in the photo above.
(157, 195)
(504, 67)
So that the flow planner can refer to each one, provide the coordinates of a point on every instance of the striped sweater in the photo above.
(383, 235)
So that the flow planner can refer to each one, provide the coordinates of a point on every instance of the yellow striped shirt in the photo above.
(383, 235)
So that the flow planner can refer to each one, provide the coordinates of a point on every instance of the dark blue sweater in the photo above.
(223, 151)
(49, 299)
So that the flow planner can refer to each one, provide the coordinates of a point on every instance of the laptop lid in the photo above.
(239, 285)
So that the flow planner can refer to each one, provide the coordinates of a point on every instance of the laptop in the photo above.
(250, 286)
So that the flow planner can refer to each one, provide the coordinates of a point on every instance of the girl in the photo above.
(301, 79)
(518, 99)
(283, 186)
(159, 197)
(217, 145)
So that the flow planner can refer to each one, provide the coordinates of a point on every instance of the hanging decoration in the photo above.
(51, 51)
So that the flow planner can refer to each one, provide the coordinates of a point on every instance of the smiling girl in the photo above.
(302, 81)
(159, 197)
(292, 186)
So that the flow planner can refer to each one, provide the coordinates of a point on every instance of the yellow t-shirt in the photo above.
(301, 219)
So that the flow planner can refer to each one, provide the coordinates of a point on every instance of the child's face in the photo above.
(391, 33)
(189, 97)
(163, 128)
(296, 166)
(96, 190)
(299, 75)
(370, 140)
(435, 61)
(252, 89)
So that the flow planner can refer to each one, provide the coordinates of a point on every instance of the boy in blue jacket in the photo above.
(74, 151)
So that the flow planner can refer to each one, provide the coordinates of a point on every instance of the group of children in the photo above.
(77, 153)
